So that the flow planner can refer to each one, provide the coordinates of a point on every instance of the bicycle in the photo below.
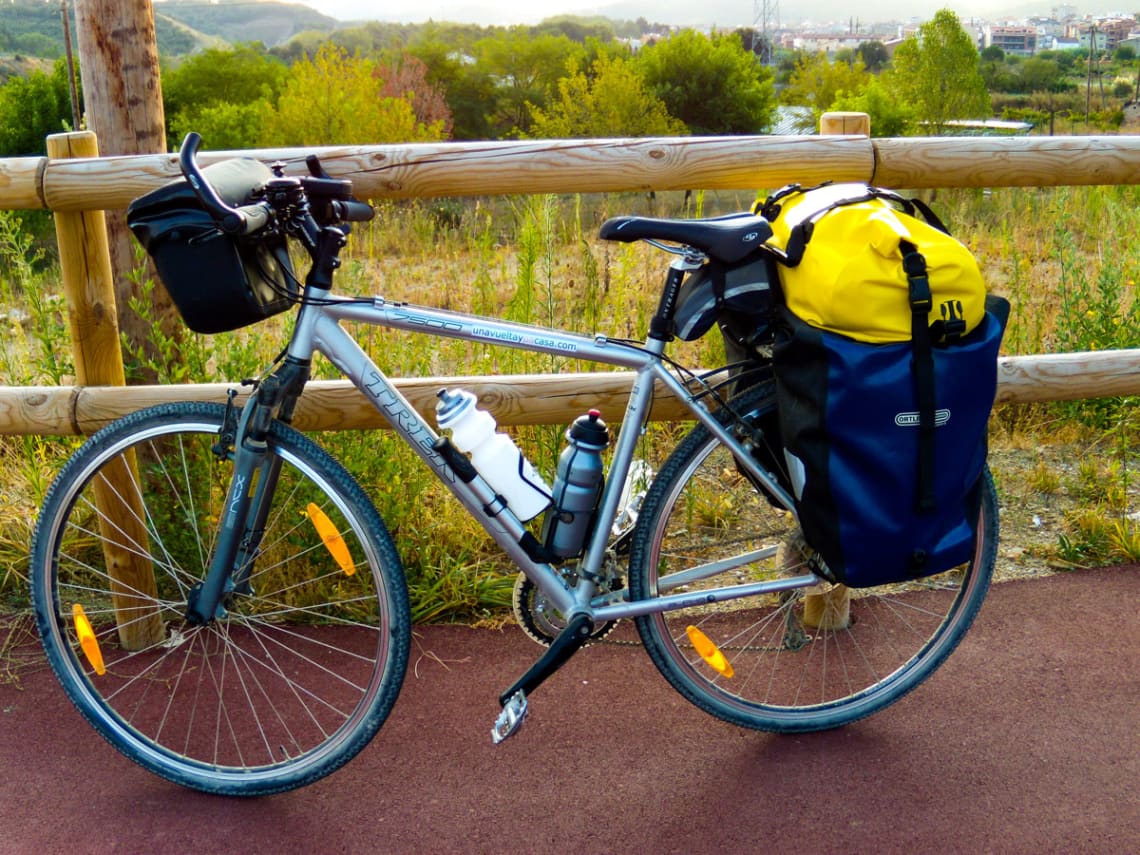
(268, 639)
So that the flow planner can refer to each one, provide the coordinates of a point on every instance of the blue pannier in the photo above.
(877, 501)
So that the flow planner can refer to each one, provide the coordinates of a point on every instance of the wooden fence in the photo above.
(76, 185)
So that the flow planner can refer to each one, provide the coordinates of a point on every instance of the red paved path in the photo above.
(1027, 740)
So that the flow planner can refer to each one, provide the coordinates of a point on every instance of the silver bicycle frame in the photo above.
(318, 330)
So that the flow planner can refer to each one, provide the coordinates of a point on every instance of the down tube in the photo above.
(504, 528)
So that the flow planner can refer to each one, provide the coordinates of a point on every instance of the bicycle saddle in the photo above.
(726, 239)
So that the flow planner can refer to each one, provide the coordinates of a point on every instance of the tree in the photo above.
(817, 83)
(31, 108)
(468, 89)
(223, 125)
(335, 98)
(889, 117)
(405, 76)
(224, 95)
(578, 29)
(874, 55)
(936, 73)
(713, 85)
(611, 102)
(526, 70)
(239, 75)
(1039, 75)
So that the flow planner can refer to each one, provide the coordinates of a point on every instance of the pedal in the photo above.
(511, 718)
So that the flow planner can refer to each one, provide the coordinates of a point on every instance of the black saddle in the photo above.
(727, 239)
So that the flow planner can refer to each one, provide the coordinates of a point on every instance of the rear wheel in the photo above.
(298, 673)
(810, 659)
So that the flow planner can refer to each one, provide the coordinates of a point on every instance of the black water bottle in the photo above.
(577, 486)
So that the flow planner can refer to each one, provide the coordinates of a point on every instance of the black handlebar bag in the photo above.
(219, 282)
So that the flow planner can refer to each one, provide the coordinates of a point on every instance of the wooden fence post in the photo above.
(829, 606)
(85, 265)
(845, 124)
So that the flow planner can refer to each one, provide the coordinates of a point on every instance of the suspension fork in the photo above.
(250, 494)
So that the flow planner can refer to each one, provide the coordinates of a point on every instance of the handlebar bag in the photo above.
(217, 281)
(884, 423)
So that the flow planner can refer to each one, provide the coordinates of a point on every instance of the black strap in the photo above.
(928, 215)
(921, 303)
(800, 235)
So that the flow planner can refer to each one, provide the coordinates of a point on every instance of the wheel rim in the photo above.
(278, 686)
(786, 673)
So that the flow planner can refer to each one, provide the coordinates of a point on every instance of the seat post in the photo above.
(661, 325)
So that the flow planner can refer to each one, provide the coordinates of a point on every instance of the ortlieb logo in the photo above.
(912, 419)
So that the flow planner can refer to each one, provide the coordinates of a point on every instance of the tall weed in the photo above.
(1062, 257)
(35, 351)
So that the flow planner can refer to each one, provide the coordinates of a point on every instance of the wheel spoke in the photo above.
(814, 658)
(291, 679)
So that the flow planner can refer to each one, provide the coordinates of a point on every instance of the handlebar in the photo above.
(331, 198)
(234, 221)
(353, 211)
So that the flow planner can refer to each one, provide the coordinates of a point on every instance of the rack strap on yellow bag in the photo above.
(842, 247)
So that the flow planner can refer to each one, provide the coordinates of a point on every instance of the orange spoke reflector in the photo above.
(709, 651)
(334, 543)
(87, 639)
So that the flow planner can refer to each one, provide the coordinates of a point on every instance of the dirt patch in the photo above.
(1039, 487)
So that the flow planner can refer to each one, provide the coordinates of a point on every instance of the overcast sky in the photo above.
(475, 11)
(697, 13)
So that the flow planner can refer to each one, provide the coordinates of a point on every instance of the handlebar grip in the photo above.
(353, 211)
(234, 221)
(246, 219)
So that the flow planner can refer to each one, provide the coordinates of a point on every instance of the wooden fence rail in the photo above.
(523, 399)
(83, 184)
(613, 165)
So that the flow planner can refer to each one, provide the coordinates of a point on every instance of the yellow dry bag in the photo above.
(842, 248)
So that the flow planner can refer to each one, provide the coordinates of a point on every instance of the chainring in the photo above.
(541, 620)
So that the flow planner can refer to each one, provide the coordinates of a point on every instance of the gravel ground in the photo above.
(1037, 488)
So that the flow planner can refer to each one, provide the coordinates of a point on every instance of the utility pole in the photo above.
(76, 117)
(1088, 81)
(766, 17)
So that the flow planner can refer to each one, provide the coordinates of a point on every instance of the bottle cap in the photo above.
(589, 430)
(452, 405)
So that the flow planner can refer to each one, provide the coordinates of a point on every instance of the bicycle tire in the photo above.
(299, 673)
(795, 663)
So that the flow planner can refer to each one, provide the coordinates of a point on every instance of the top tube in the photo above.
(450, 324)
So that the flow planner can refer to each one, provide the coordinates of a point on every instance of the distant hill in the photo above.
(242, 21)
(34, 28)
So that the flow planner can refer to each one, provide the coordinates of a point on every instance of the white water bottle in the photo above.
(494, 455)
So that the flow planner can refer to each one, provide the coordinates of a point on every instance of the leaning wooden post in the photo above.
(829, 607)
(85, 264)
(122, 97)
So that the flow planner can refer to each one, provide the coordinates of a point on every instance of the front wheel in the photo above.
(294, 675)
(811, 659)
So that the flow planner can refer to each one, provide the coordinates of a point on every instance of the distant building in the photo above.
(1019, 41)
(985, 128)
(1106, 35)
(827, 43)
